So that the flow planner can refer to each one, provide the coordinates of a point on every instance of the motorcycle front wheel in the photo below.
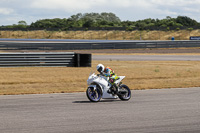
(94, 95)
(124, 93)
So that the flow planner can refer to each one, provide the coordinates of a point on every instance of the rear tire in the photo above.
(127, 95)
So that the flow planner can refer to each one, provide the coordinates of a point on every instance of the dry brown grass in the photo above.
(105, 35)
(139, 75)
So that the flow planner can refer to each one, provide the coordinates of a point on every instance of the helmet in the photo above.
(100, 68)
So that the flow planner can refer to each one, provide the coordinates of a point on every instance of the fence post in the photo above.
(99, 34)
(106, 35)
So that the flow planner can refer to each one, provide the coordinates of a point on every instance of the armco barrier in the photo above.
(65, 59)
(95, 45)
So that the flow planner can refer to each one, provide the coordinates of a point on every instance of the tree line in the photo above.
(103, 20)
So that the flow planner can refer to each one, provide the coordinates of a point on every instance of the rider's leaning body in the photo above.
(108, 72)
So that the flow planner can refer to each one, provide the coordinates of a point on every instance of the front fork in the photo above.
(93, 86)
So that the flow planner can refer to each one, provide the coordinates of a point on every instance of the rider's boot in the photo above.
(113, 89)
(110, 90)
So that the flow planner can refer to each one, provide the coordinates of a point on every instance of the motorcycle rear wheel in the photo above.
(125, 96)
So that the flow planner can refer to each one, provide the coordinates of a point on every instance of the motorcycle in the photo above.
(99, 86)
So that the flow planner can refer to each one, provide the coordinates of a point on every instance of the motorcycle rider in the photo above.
(108, 72)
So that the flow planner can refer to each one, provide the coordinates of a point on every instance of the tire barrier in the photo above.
(83, 60)
(45, 59)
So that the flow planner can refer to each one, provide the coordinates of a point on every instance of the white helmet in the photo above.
(100, 68)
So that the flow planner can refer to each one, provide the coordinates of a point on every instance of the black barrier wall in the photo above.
(45, 59)
(83, 60)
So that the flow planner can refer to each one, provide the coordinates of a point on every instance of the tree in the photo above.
(110, 17)
(88, 23)
(186, 21)
(76, 17)
(104, 19)
(22, 23)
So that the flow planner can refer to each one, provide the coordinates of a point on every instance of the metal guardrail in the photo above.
(95, 45)
(65, 59)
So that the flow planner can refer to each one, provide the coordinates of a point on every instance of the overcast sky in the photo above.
(12, 11)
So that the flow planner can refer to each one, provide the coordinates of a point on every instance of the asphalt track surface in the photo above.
(147, 57)
(148, 111)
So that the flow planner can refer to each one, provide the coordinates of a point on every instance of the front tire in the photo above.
(94, 95)
(126, 95)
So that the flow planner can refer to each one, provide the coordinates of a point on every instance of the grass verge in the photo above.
(103, 35)
(139, 75)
